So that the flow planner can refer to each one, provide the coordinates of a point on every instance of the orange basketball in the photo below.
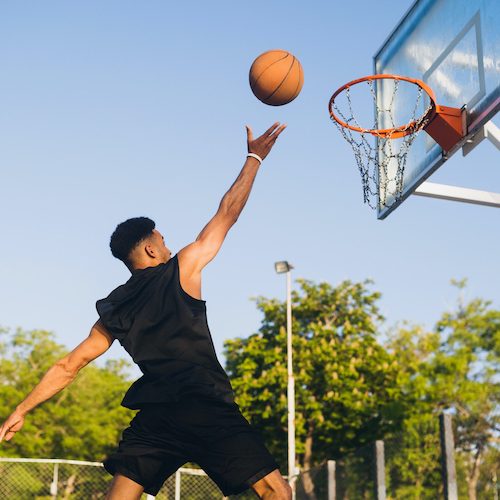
(276, 77)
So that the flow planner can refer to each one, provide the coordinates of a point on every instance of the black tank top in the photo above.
(165, 330)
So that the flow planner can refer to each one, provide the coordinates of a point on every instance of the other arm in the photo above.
(59, 376)
(194, 257)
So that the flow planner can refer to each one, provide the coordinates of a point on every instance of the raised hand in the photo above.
(11, 426)
(263, 144)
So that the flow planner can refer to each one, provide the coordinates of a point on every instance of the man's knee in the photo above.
(273, 486)
(286, 491)
(123, 488)
(281, 491)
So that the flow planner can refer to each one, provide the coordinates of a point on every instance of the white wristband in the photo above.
(257, 157)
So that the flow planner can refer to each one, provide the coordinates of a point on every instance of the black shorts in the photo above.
(215, 435)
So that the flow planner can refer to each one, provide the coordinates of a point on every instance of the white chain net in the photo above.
(381, 159)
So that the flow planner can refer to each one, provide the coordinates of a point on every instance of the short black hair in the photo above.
(128, 234)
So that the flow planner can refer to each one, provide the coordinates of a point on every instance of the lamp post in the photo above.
(281, 268)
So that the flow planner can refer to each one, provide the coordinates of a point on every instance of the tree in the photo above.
(346, 383)
(82, 422)
(453, 368)
(466, 378)
(413, 453)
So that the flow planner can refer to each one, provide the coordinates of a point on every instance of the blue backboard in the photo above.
(453, 46)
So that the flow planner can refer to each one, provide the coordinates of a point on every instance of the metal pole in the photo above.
(495, 486)
(332, 490)
(448, 457)
(177, 485)
(455, 193)
(55, 481)
(291, 385)
(379, 471)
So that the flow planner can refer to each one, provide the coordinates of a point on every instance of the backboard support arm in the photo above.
(455, 193)
(488, 131)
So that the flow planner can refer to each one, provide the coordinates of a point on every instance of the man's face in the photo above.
(159, 242)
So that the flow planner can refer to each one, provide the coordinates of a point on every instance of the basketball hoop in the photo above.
(382, 162)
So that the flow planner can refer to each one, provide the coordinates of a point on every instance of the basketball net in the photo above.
(380, 151)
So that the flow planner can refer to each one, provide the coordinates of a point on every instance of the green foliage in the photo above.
(466, 380)
(82, 422)
(350, 390)
(14, 475)
(347, 391)
(413, 453)
(453, 368)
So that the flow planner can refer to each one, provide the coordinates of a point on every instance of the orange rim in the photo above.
(392, 133)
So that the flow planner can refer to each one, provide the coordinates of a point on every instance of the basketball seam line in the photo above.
(281, 83)
(267, 67)
(298, 82)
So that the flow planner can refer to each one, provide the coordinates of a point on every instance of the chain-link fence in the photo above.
(413, 464)
(314, 484)
(355, 475)
(424, 464)
(421, 465)
(39, 479)
(49, 479)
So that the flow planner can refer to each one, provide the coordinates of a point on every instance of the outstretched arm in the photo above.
(59, 376)
(194, 257)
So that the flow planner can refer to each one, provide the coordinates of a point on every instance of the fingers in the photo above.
(271, 129)
(249, 134)
(9, 435)
(278, 131)
(264, 143)
(271, 139)
(272, 132)
(3, 431)
(8, 429)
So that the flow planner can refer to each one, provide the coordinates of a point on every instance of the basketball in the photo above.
(276, 77)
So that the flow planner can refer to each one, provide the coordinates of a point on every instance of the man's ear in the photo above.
(150, 250)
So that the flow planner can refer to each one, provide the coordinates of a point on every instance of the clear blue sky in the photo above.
(117, 109)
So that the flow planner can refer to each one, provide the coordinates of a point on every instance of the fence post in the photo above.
(178, 485)
(331, 480)
(449, 472)
(55, 480)
(379, 471)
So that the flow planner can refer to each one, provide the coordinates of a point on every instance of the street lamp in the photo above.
(281, 268)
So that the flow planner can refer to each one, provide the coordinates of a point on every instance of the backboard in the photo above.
(454, 47)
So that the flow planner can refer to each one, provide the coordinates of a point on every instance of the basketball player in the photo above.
(185, 400)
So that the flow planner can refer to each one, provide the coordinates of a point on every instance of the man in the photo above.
(187, 410)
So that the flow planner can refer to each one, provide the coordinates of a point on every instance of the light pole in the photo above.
(281, 268)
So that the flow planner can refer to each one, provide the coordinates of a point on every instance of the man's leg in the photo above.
(273, 487)
(123, 488)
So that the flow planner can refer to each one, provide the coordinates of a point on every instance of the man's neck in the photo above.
(145, 264)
